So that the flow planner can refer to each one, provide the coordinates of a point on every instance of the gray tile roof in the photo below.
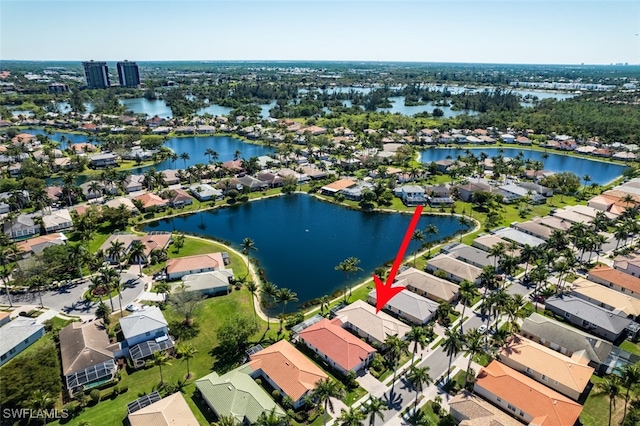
(142, 321)
(472, 255)
(596, 315)
(428, 283)
(411, 304)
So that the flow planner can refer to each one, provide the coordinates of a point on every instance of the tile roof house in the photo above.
(21, 226)
(608, 298)
(471, 255)
(99, 161)
(428, 285)
(339, 348)
(408, 305)
(209, 283)
(337, 186)
(86, 361)
(17, 335)
(155, 241)
(616, 280)
(471, 410)
(37, 244)
(171, 410)
(586, 315)
(57, 220)
(288, 370)
(361, 318)
(236, 394)
(180, 198)
(455, 270)
(133, 183)
(205, 192)
(144, 331)
(527, 400)
(149, 200)
(121, 201)
(486, 242)
(181, 266)
(546, 366)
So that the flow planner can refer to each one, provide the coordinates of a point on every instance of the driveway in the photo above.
(68, 299)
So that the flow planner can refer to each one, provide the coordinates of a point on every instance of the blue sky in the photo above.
(517, 31)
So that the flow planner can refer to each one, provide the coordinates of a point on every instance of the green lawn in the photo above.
(595, 411)
(631, 347)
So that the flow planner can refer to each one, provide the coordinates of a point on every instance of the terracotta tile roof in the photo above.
(597, 292)
(26, 246)
(149, 200)
(286, 366)
(616, 277)
(342, 347)
(471, 410)
(546, 361)
(190, 263)
(339, 185)
(546, 406)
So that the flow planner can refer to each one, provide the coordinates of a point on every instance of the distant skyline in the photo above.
(517, 31)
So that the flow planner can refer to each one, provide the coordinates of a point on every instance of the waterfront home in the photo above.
(21, 226)
(507, 138)
(37, 244)
(533, 227)
(208, 283)
(524, 398)
(523, 140)
(454, 269)
(354, 193)
(271, 179)
(133, 183)
(251, 184)
(518, 237)
(558, 372)
(235, 394)
(312, 130)
(427, 285)
(606, 297)
(233, 166)
(104, 160)
(616, 279)
(338, 347)
(595, 319)
(516, 192)
(412, 195)
(445, 165)
(86, 360)
(538, 189)
(179, 198)
(172, 410)
(361, 318)
(156, 241)
(337, 186)
(121, 201)
(138, 153)
(286, 369)
(170, 177)
(145, 332)
(465, 192)
(17, 335)
(205, 192)
(471, 410)
(409, 306)
(487, 241)
(181, 266)
(471, 255)
(149, 200)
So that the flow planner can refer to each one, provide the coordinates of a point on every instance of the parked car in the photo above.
(132, 308)
(482, 329)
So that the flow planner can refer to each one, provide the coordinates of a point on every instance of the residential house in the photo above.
(151, 242)
(471, 255)
(465, 192)
(37, 244)
(412, 195)
(518, 237)
(471, 410)
(516, 192)
(616, 279)
(558, 372)
(271, 179)
(454, 269)
(532, 227)
(339, 348)
(181, 266)
(237, 395)
(205, 192)
(179, 198)
(171, 410)
(286, 369)
(22, 226)
(354, 193)
(538, 189)
(5, 317)
(209, 283)
(361, 318)
(427, 285)
(408, 305)
(252, 184)
(149, 200)
(608, 298)
(17, 335)
(133, 183)
(575, 344)
(586, 315)
(86, 361)
(145, 332)
(58, 220)
(121, 201)
(628, 263)
(524, 398)
(170, 177)
(487, 241)
(507, 138)
(104, 160)
(337, 186)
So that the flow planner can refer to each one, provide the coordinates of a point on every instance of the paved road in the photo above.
(68, 299)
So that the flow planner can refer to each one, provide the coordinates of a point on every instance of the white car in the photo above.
(132, 308)
(482, 329)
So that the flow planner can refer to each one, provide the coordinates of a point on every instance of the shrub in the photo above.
(95, 395)
(275, 394)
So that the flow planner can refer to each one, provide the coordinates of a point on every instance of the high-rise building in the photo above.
(128, 74)
(96, 74)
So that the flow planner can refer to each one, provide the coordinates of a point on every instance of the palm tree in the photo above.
(324, 391)
(418, 336)
(431, 231)
(418, 237)
(324, 303)
(270, 418)
(353, 417)
(610, 386)
(586, 179)
(209, 152)
(116, 251)
(187, 351)
(108, 277)
(247, 246)
(136, 253)
(348, 266)
(418, 377)
(184, 157)
(629, 378)
(473, 344)
(527, 254)
(395, 348)
(160, 358)
(468, 291)
(226, 421)
(40, 401)
(285, 296)
(374, 407)
(253, 289)
(497, 251)
(118, 286)
(453, 345)
(270, 290)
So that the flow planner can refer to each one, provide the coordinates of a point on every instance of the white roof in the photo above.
(142, 321)
(362, 315)
(411, 304)
(208, 280)
(16, 331)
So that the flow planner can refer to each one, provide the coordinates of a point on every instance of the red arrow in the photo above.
(385, 291)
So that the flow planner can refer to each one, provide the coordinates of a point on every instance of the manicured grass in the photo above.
(595, 411)
(456, 384)
(427, 408)
(354, 395)
(482, 358)
(630, 347)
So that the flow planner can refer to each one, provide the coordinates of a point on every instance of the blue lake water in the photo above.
(601, 172)
(70, 138)
(146, 106)
(300, 239)
(400, 108)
